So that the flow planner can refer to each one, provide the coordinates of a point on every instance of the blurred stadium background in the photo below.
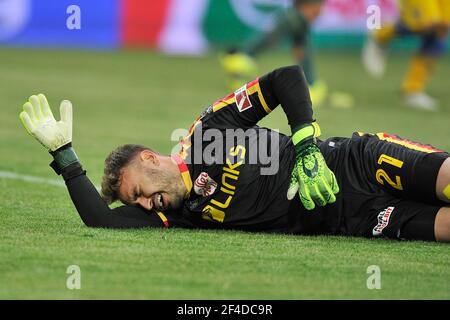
(135, 71)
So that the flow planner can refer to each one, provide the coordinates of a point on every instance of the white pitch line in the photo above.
(32, 179)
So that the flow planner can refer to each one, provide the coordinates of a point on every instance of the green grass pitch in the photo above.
(141, 97)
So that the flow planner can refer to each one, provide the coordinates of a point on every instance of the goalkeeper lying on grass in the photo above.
(366, 185)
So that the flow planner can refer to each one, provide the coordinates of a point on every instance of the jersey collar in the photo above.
(185, 175)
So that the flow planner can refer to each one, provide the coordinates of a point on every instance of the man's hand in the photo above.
(55, 136)
(311, 176)
(38, 120)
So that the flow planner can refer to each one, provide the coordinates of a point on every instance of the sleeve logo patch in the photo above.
(242, 100)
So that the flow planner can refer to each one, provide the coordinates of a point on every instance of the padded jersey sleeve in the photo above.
(245, 107)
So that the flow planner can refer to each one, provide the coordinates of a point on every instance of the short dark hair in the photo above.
(114, 163)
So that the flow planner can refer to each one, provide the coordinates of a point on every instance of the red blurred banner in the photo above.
(142, 22)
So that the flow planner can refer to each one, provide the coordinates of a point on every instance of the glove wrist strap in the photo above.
(305, 133)
(63, 157)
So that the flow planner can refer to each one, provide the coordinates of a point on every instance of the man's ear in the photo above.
(147, 155)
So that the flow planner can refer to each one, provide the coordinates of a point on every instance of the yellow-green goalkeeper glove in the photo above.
(55, 136)
(311, 177)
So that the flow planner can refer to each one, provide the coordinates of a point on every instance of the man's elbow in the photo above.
(296, 72)
(292, 73)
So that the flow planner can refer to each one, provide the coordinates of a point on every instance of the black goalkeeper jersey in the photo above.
(237, 174)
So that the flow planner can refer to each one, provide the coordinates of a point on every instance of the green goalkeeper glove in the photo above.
(311, 176)
(55, 136)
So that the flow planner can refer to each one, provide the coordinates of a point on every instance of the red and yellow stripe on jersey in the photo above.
(251, 88)
(407, 143)
(185, 175)
(225, 101)
(163, 218)
(186, 141)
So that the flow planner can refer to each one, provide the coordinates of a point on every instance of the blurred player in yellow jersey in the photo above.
(428, 19)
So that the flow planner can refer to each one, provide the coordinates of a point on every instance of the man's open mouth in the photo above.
(158, 202)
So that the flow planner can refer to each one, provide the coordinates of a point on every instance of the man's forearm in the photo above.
(84, 195)
(287, 86)
(94, 211)
(311, 177)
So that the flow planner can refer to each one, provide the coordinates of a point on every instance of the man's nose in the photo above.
(145, 203)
